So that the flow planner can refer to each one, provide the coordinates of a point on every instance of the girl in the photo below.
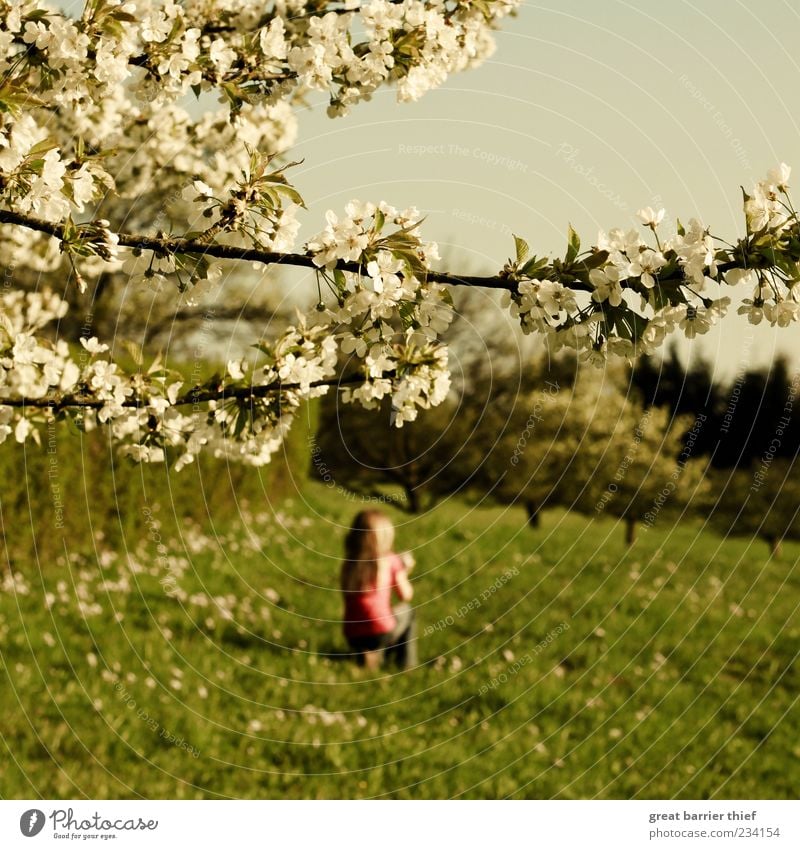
(370, 573)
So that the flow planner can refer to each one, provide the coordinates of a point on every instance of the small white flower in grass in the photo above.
(650, 217)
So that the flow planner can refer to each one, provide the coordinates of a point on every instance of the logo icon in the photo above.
(31, 822)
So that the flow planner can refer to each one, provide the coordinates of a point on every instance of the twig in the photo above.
(196, 395)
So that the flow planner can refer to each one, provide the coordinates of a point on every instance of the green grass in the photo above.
(670, 670)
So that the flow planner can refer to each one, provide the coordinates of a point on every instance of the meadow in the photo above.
(193, 659)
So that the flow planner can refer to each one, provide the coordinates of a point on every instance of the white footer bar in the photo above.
(401, 825)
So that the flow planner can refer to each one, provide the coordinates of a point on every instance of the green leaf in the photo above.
(263, 347)
(574, 245)
(292, 194)
(44, 146)
(406, 310)
(533, 266)
(522, 248)
(638, 325)
(595, 260)
(618, 317)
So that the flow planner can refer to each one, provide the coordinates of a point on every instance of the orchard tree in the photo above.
(653, 467)
(105, 174)
(444, 452)
(362, 452)
(592, 449)
(538, 445)
(762, 502)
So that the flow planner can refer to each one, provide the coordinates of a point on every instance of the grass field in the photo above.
(554, 664)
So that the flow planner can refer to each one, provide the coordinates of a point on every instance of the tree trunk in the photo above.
(774, 547)
(630, 531)
(534, 519)
(412, 499)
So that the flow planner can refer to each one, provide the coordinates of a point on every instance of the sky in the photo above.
(586, 112)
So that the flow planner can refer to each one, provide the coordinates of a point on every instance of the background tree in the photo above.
(364, 453)
(652, 470)
(738, 412)
(762, 502)
(541, 444)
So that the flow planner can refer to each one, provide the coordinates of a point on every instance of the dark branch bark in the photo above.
(196, 395)
(165, 244)
(245, 314)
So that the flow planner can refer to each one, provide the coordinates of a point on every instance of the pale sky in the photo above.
(586, 112)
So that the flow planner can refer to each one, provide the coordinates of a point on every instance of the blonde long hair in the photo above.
(365, 548)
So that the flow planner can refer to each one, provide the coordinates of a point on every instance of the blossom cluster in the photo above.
(624, 296)
(379, 311)
(95, 135)
(153, 413)
(95, 104)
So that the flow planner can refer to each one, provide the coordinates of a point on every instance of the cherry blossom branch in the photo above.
(195, 395)
(164, 245)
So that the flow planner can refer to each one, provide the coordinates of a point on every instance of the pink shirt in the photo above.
(369, 613)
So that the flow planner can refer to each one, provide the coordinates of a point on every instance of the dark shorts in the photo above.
(400, 642)
(373, 642)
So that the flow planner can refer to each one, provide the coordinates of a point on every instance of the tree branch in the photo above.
(164, 244)
(196, 395)
(244, 314)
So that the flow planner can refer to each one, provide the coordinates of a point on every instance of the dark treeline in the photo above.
(754, 413)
